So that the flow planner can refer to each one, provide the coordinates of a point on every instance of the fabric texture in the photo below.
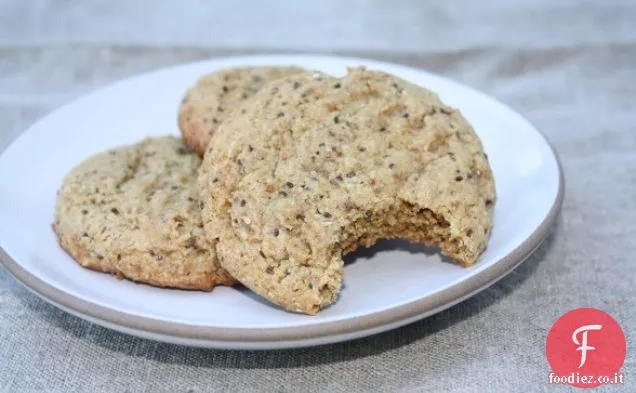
(568, 66)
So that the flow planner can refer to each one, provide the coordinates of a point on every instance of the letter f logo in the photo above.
(583, 344)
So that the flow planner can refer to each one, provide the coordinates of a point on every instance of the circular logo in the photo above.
(585, 348)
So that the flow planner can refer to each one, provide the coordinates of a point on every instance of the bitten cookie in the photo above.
(317, 166)
(216, 95)
(134, 212)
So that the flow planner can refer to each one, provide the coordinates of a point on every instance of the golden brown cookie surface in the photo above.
(134, 212)
(317, 166)
(216, 95)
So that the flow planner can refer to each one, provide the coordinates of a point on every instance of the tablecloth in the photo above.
(568, 66)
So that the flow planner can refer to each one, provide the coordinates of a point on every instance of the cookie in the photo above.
(134, 212)
(318, 166)
(216, 95)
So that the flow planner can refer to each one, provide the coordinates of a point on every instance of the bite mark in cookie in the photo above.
(344, 162)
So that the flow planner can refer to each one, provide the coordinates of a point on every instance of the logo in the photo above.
(586, 348)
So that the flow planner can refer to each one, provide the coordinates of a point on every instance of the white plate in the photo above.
(394, 285)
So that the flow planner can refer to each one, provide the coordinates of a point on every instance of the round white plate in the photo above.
(388, 286)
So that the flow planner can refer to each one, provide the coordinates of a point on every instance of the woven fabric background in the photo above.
(569, 66)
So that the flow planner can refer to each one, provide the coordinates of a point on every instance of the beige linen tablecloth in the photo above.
(569, 66)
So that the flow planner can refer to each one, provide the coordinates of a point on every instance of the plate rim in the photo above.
(293, 336)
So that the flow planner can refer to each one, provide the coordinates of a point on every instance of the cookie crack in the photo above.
(131, 173)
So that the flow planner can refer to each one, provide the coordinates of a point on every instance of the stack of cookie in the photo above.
(298, 169)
